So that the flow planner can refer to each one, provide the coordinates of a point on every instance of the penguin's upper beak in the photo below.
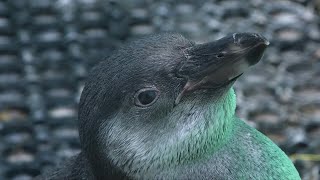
(219, 63)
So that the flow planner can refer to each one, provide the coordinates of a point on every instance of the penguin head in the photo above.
(153, 92)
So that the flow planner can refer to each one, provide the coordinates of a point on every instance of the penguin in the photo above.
(163, 107)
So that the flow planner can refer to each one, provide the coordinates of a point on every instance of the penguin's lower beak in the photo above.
(219, 63)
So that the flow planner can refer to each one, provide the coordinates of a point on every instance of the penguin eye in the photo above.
(146, 97)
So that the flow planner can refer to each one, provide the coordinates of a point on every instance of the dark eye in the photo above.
(146, 97)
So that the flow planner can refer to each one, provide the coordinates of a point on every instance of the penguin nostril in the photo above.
(220, 55)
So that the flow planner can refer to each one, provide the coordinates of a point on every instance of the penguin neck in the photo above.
(214, 129)
(220, 119)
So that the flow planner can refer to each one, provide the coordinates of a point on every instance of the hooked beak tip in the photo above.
(247, 39)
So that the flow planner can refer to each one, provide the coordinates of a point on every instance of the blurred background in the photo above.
(48, 46)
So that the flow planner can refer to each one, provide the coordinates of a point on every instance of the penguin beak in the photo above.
(219, 63)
